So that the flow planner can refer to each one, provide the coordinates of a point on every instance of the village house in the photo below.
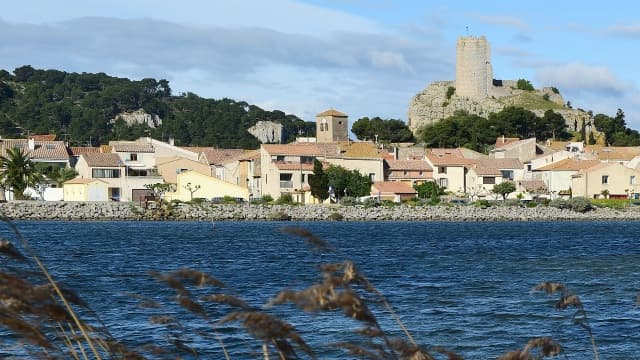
(557, 176)
(606, 180)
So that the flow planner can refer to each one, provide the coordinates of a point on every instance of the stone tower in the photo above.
(332, 125)
(474, 74)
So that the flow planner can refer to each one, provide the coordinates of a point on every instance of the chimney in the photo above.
(32, 144)
(396, 153)
(503, 138)
(171, 141)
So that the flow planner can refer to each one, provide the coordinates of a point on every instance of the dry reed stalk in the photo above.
(570, 299)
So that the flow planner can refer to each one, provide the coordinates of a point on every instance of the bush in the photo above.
(532, 204)
(335, 216)
(524, 84)
(370, 202)
(512, 202)
(450, 91)
(546, 97)
(279, 216)
(482, 204)
(348, 201)
(285, 199)
(580, 204)
(559, 203)
(266, 199)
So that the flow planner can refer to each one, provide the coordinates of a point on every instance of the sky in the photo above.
(361, 57)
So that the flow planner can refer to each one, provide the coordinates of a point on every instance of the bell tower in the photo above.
(332, 126)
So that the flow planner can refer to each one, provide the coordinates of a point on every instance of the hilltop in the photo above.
(92, 109)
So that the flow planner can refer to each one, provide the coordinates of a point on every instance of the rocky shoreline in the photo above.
(115, 211)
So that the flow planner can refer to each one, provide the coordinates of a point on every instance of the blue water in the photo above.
(464, 286)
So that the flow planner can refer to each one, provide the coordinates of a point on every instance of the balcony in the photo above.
(286, 184)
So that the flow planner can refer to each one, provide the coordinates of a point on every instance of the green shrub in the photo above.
(228, 200)
(336, 216)
(559, 203)
(370, 202)
(524, 84)
(266, 199)
(532, 204)
(279, 216)
(450, 91)
(610, 203)
(546, 97)
(482, 203)
(348, 201)
(555, 90)
(512, 202)
(285, 199)
(580, 204)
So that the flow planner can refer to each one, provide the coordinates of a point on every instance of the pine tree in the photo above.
(319, 182)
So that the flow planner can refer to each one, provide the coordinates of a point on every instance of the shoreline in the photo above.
(116, 211)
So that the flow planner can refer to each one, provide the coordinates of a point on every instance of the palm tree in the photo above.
(18, 172)
(60, 175)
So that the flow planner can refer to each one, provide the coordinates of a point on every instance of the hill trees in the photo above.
(384, 130)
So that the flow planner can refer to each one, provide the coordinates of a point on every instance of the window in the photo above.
(605, 179)
(442, 169)
(488, 180)
(632, 180)
(105, 173)
(507, 174)
(420, 173)
(133, 157)
(306, 159)
(372, 177)
(285, 180)
(444, 182)
(404, 173)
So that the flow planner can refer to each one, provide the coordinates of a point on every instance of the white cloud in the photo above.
(505, 21)
(578, 77)
(512, 51)
(631, 31)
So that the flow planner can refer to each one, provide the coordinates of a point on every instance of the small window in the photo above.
(632, 180)
(404, 173)
(488, 180)
(133, 157)
(444, 182)
(507, 174)
(442, 169)
(420, 173)
(605, 179)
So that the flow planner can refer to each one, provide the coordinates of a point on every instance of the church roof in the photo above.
(332, 112)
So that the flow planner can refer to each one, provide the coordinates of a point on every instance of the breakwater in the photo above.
(109, 211)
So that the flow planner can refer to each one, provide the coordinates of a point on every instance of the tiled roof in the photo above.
(506, 163)
(447, 157)
(131, 147)
(569, 165)
(102, 160)
(196, 149)
(360, 149)
(302, 149)
(78, 150)
(222, 156)
(43, 150)
(409, 165)
(394, 187)
(613, 152)
(46, 137)
(486, 170)
(332, 112)
(503, 141)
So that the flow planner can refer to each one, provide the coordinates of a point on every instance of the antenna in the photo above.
(467, 27)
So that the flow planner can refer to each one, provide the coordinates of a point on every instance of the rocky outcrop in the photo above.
(139, 117)
(432, 104)
(116, 211)
(268, 132)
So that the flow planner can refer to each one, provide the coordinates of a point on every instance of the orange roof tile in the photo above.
(409, 165)
(78, 150)
(569, 165)
(43, 150)
(302, 149)
(222, 156)
(102, 160)
(131, 147)
(533, 185)
(503, 141)
(394, 187)
(46, 137)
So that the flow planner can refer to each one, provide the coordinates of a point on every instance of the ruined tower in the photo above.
(474, 74)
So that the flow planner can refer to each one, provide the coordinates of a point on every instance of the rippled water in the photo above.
(465, 286)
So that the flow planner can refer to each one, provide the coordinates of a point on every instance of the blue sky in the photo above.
(362, 57)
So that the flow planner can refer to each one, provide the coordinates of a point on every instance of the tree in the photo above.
(524, 84)
(60, 175)
(429, 189)
(158, 189)
(504, 189)
(319, 182)
(385, 130)
(191, 189)
(18, 172)
(348, 182)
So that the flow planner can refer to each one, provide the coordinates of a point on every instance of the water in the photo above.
(465, 286)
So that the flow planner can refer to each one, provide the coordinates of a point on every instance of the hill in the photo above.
(92, 109)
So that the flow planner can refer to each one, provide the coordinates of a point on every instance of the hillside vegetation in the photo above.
(82, 108)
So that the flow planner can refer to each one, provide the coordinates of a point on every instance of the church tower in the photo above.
(474, 74)
(331, 126)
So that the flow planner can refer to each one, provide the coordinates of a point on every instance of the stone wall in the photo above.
(115, 211)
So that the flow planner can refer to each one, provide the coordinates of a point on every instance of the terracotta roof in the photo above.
(613, 152)
(332, 112)
(47, 137)
(222, 156)
(506, 163)
(80, 180)
(131, 147)
(196, 149)
(394, 187)
(102, 160)
(486, 170)
(447, 157)
(569, 165)
(302, 149)
(43, 150)
(409, 165)
(503, 141)
(360, 149)
(78, 150)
